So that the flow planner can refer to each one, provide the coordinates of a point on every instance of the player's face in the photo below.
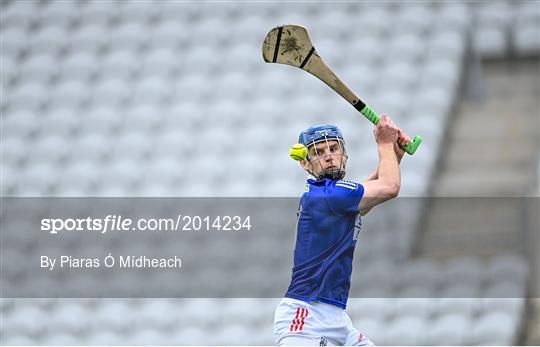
(325, 155)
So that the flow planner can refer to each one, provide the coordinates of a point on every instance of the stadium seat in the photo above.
(234, 334)
(105, 337)
(28, 97)
(496, 14)
(434, 101)
(451, 329)
(166, 169)
(162, 318)
(512, 306)
(48, 149)
(362, 75)
(447, 44)
(13, 42)
(393, 101)
(405, 330)
(118, 63)
(19, 124)
(460, 305)
(90, 38)
(109, 316)
(241, 56)
(71, 94)
(136, 11)
(78, 66)
(10, 76)
(143, 113)
(526, 39)
(234, 86)
(415, 18)
(191, 335)
(369, 24)
(198, 309)
(203, 171)
(128, 35)
(366, 48)
(151, 90)
(378, 276)
(131, 144)
(19, 14)
(58, 13)
(406, 47)
(238, 187)
(79, 176)
(62, 121)
(9, 179)
(420, 307)
(453, 16)
(507, 289)
(423, 273)
(39, 68)
(64, 339)
(511, 267)
(491, 41)
(20, 340)
(168, 34)
(172, 142)
(73, 317)
(466, 269)
(161, 62)
(96, 12)
(193, 87)
(210, 30)
(90, 146)
(442, 73)
(326, 48)
(181, 12)
(493, 329)
(20, 322)
(109, 92)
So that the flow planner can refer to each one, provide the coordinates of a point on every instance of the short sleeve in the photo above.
(344, 197)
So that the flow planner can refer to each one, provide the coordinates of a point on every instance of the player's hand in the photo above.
(386, 131)
(403, 140)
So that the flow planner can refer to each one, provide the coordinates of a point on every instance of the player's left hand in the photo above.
(402, 140)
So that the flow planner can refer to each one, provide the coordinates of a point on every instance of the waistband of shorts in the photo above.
(319, 305)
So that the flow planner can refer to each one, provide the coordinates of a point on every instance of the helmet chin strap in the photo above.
(332, 174)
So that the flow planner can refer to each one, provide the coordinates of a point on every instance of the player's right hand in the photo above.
(386, 131)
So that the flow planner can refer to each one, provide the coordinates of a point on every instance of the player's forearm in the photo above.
(388, 171)
(375, 174)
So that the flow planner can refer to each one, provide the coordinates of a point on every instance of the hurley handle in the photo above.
(374, 118)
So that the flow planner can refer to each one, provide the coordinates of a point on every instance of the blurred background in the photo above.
(168, 98)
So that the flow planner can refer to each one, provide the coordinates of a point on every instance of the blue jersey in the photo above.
(328, 226)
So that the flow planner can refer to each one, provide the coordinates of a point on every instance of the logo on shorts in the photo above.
(323, 342)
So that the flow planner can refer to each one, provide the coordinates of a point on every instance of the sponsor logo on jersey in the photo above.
(323, 342)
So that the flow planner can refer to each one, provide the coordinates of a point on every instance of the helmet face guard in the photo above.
(325, 133)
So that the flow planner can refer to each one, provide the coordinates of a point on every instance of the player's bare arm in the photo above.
(403, 140)
(387, 184)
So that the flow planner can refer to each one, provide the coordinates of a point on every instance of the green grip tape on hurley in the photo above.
(371, 115)
(413, 145)
(374, 118)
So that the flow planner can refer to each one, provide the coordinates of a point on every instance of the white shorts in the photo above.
(299, 323)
